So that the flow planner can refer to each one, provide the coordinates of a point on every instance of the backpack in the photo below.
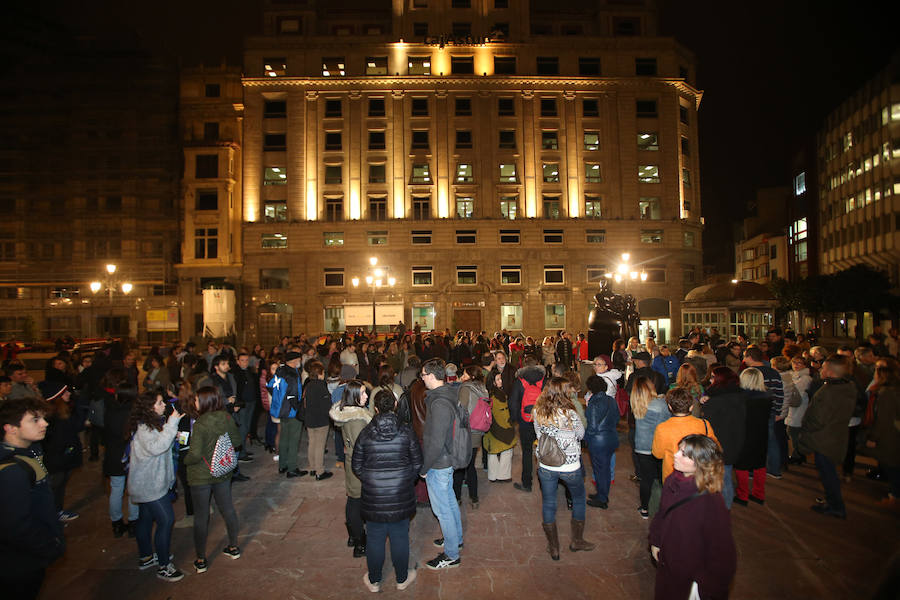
(529, 397)
(33, 467)
(224, 459)
(461, 438)
(404, 412)
(481, 417)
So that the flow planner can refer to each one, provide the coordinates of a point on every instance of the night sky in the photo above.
(770, 72)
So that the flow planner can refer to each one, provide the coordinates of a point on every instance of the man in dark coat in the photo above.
(824, 431)
(247, 397)
(642, 369)
(531, 374)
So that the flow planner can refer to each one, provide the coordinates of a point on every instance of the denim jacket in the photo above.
(644, 429)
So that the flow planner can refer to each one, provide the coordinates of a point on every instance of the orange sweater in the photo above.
(669, 433)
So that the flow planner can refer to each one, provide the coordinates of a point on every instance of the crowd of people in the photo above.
(707, 422)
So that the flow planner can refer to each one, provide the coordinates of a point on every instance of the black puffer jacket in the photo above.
(726, 411)
(115, 422)
(387, 459)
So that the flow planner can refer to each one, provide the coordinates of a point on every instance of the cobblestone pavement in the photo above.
(294, 545)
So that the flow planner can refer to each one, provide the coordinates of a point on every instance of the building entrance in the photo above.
(467, 319)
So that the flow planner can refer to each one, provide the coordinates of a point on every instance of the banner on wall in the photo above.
(165, 319)
(360, 315)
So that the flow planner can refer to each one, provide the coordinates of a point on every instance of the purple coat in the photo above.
(695, 542)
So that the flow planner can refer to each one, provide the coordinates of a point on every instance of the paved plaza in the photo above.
(294, 545)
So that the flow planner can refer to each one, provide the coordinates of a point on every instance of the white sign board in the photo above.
(360, 315)
(218, 312)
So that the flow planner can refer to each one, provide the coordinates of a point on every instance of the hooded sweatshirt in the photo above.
(439, 414)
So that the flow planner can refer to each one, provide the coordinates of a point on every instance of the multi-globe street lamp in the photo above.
(377, 278)
(111, 283)
(624, 271)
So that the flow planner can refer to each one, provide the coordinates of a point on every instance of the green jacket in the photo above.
(825, 424)
(352, 420)
(206, 432)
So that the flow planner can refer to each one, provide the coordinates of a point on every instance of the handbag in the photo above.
(549, 453)
(622, 401)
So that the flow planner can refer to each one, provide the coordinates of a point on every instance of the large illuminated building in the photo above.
(497, 157)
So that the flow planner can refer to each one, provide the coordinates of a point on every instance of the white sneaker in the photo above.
(169, 573)
(372, 587)
(275, 457)
(410, 577)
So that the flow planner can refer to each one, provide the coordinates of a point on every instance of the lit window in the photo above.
(554, 316)
(466, 275)
(333, 238)
(377, 238)
(465, 207)
(509, 207)
(549, 140)
(592, 208)
(591, 140)
(275, 176)
(275, 211)
(649, 208)
(376, 65)
(508, 173)
(420, 173)
(551, 172)
(511, 316)
(595, 236)
(592, 173)
(274, 240)
(419, 65)
(333, 66)
(551, 207)
(800, 184)
(510, 274)
(274, 67)
(651, 236)
(464, 173)
(648, 140)
(648, 173)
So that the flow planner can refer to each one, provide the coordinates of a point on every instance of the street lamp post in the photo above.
(110, 283)
(624, 270)
(376, 278)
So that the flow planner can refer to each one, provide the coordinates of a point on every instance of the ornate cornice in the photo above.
(401, 84)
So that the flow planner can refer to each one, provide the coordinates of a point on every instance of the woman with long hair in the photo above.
(620, 356)
(649, 410)
(690, 537)
(724, 406)
(500, 439)
(548, 352)
(555, 417)
(601, 437)
(471, 390)
(752, 457)
(62, 444)
(151, 475)
(117, 411)
(688, 380)
(212, 423)
(386, 381)
(352, 414)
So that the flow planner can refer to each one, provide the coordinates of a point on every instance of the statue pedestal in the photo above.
(603, 330)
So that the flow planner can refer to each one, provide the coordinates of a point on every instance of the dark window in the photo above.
(506, 107)
(463, 107)
(333, 108)
(334, 277)
(589, 66)
(685, 146)
(646, 108)
(206, 243)
(571, 29)
(504, 65)
(420, 140)
(548, 65)
(207, 200)
(421, 236)
(682, 72)
(273, 279)
(334, 209)
(510, 236)
(207, 166)
(376, 107)
(548, 107)
(590, 108)
(461, 29)
(376, 140)
(549, 140)
(500, 30)
(626, 26)
(275, 109)
(333, 174)
(551, 207)
(274, 141)
(508, 139)
(645, 66)
(465, 236)
(462, 65)
(211, 131)
(114, 203)
(683, 114)
(421, 208)
(553, 236)
(377, 208)
(420, 29)
(463, 139)
(333, 140)
(213, 90)
(501, 3)
(377, 173)
(461, 4)
(420, 107)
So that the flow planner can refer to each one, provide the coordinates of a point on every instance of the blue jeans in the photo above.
(830, 482)
(773, 458)
(445, 508)
(161, 512)
(549, 481)
(377, 533)
(600, 450)
(728, 486)
(116, 491)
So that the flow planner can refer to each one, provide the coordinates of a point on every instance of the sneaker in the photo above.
(597, 503)
(645, 514)
(147, 561)
(66, 515)
(245, 458)
(774, 476)
(410, 577)
(275, 457)
(439, 543)
(169, 573)
(233, 551)
(201, 565)
(372, 587)
(324, 475)
(442, 561)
